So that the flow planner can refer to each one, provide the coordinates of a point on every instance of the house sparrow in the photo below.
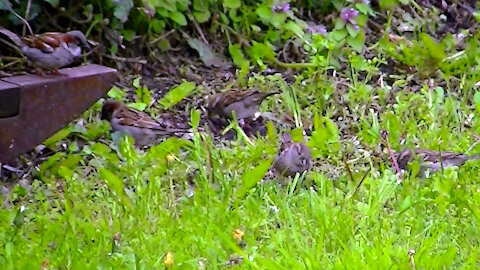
(293, 157)
(244, 103)
(52, 50)
(430, 160)
(140, 125)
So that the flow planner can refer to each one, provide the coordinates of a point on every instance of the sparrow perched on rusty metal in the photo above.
(52, 50)
(431, 160)
(293, 157)
(140, 125)
(244, 103)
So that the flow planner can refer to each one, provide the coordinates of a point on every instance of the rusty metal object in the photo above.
(9, 99)
(47, 104)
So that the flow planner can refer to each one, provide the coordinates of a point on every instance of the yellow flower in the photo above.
(170, 158)
(168, 260)
(238, 234)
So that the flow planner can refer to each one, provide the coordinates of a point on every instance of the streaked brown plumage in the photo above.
(140, 125)
(51, 50)
(244, 103)
(293, 157)
(431, 160)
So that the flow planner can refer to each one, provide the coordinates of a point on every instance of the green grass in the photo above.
(101, 203)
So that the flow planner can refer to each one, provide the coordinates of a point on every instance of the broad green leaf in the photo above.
(237, 55)
(339, 35)
(122, 9)
(157, 25)
(178, 17)
(200, 5)
(143, 95)
(176, 94)
(352, 31)
(137, 106)
(357, 42)
(201, 16)
(388, 4)
(292, 26)
(55, 138)
(260, 51)
(232, 3)
(476, 101)
(116, 185)
(116, 93)
(208, 57)
(194, 118)
(53, 3)
(252, 177)
(128, 34)
(297, 134)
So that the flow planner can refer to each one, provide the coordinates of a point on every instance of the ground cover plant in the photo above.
(356, 78)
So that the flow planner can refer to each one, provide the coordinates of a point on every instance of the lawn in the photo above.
(91, 199)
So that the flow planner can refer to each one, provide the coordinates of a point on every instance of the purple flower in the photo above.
(349, 15)
(316, 29)
(281, 7)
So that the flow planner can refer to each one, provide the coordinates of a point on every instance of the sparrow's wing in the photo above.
(129, 117)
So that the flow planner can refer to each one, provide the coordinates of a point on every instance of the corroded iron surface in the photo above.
(46, 104)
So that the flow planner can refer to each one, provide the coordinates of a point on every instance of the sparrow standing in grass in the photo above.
(50, 51)
(244, 103)
(430, 160)
(140, 125)
(294, 157)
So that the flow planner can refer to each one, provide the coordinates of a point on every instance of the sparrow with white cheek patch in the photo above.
(244, 103)
(140, 125)
(294, 157)
(52, 50)
(431, 160)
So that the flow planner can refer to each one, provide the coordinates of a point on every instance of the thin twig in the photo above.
(349, 172)
(27, 11)
(394, 160)
(361, 181)
(200, 32)
(128, 60)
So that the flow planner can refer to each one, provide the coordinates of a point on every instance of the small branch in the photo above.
(127, 60)
(27, 11)
(394, 160)
(361, 181)
(200, 32)
(349, 172)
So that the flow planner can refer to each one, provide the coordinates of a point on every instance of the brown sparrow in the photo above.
(140, 125)
(244, 103)
(430, 160)
(294, 157)
(52, 50)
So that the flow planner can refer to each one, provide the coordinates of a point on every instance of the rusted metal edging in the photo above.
(32, 108)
